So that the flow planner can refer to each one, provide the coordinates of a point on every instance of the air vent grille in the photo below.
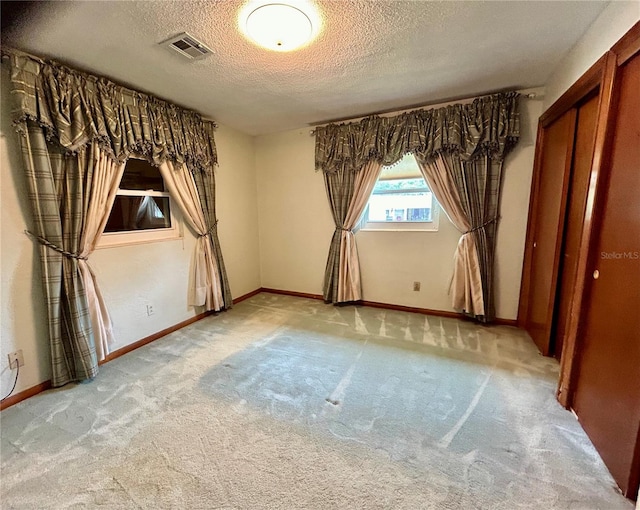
(188, 46)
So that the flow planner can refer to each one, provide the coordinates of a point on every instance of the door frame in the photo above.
(625, 49)
(592, 80)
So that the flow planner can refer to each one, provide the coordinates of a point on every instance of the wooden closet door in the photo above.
(578, 189)
(548, 224)
(607, 387)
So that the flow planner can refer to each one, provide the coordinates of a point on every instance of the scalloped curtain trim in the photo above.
(75, 109)
(490, 125)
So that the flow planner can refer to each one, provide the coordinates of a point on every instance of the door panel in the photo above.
(580, 173)
(552, 182)
(607, 387)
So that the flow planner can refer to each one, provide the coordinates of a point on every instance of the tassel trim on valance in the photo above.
(75, 109)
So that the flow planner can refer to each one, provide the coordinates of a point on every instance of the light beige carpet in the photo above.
(290, 403)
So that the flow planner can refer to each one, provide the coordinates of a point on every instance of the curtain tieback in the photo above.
(211, 229)
(492, 220)
(48, 244)
(344, 229)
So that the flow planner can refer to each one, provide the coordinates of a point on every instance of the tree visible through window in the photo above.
(401, 200)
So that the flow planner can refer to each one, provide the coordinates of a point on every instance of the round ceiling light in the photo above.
(279, 27)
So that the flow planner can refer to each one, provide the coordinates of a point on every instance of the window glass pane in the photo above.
(139, 213)
(400, 200)
(140, 175)
(419, 214)
(401, 207)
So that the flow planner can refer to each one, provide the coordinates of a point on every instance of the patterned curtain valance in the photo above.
(75, 109)
(490, 125)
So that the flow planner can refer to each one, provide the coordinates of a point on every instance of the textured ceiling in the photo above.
(370, 56)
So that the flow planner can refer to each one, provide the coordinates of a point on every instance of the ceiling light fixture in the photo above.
(279, 27)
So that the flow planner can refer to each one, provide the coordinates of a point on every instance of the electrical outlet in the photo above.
(150, 310)
(416, 286)
(16, 356)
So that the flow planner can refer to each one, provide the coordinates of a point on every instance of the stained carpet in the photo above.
(288, 403)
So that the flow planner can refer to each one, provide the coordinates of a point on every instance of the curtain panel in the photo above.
(348, 194)
(478, 182)
(204, 283)
(466, 284)
(103, 179)
(58, 184)
(460, 149)
(469, 193)
(206, 187)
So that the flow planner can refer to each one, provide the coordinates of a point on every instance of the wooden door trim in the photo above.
(628, 45)
(601, 146)
(586, 84)
(523, 304)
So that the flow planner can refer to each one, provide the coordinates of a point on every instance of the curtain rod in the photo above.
(524, 93)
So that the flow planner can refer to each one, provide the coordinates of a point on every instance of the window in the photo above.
(401, 200)
(142, 209)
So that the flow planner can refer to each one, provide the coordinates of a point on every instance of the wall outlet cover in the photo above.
(16, 356)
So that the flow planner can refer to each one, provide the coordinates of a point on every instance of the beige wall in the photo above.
(614, 21)
(296, 228)
(130, 277)
(295, 221)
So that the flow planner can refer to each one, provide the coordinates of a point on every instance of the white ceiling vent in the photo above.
(188, 46)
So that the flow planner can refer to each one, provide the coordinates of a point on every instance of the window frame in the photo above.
(129, 237)
(402, 226)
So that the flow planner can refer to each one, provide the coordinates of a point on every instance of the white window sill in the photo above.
(118, 239)
(402, 226)
(145, 236)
